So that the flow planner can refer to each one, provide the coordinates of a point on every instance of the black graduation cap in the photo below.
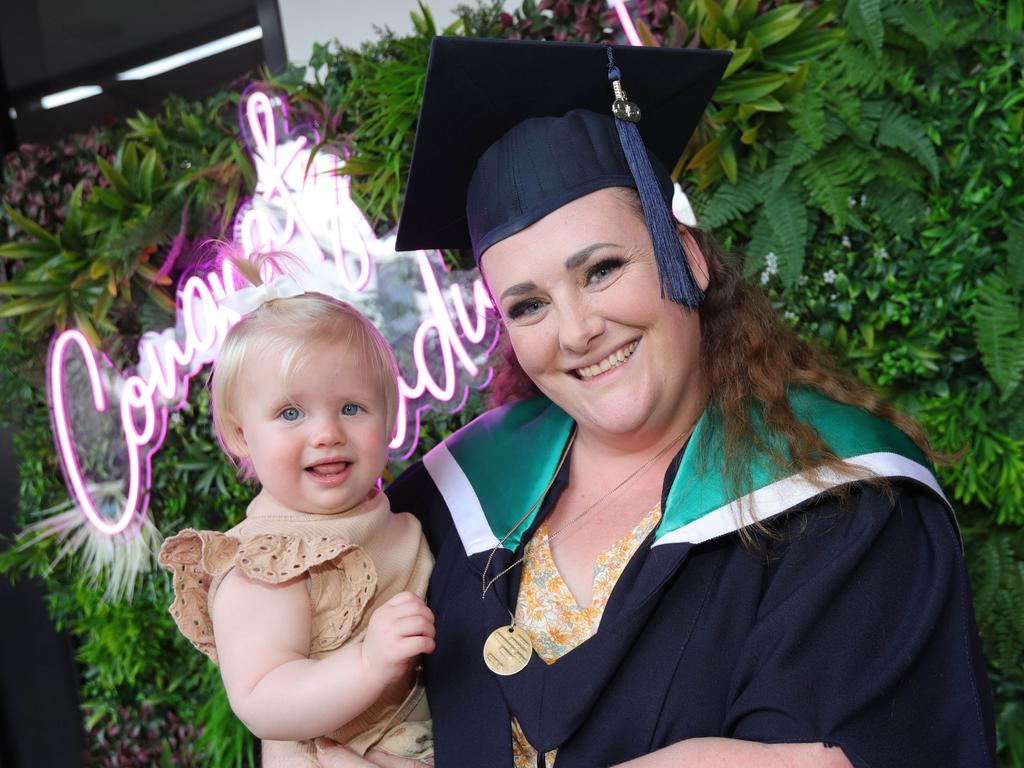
(479, 135)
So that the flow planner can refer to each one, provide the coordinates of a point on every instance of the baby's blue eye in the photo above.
(291, 413)
(350, 409)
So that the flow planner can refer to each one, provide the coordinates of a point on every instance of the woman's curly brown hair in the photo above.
(751, 358)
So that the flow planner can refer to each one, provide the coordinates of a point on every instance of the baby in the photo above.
(313, 605)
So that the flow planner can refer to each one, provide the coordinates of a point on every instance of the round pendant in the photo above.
(507, 650)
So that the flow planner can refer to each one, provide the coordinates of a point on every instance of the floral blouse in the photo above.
(549, 612)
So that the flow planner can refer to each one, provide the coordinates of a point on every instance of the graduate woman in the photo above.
(684, 539)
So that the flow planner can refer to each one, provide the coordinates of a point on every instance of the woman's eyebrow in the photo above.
(518, 289)
(585, 253)
(571, 263)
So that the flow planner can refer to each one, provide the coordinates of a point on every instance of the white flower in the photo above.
(833, 296)
(802, 280)
(863, 199)
(771, 263)
(830, 277)
(765, 277)
(846, 242)
(881, 253)
(851, 202)
(789, 315)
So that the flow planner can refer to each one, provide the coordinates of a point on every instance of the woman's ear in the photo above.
(695, 256)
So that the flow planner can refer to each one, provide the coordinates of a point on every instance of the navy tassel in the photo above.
(677, 281)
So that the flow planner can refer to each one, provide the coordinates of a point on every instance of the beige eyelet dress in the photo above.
(353, 562)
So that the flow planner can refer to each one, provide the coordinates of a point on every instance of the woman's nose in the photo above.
(578, 326)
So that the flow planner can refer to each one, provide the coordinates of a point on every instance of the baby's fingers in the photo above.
(410, 647)
(410, 626)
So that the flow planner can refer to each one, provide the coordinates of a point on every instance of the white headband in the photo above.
(250, 299)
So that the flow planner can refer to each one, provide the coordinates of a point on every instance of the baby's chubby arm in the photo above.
(262, 633)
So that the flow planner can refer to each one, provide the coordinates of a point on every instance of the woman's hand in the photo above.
(398, 632)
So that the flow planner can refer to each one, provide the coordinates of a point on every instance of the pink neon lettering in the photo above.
(627, 23)
(168, 360)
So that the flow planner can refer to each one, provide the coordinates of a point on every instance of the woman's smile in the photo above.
(570, 288)
(611, 362)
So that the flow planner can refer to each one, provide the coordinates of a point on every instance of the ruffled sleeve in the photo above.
(342, 579)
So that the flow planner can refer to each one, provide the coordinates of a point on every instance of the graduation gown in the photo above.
(853, 628)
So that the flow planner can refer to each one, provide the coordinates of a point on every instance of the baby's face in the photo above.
(317, 438)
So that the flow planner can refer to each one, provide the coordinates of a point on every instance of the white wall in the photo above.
(351, 21)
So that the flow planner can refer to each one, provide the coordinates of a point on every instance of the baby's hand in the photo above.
(398, 632)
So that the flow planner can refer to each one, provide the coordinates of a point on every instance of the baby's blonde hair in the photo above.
(292, 326)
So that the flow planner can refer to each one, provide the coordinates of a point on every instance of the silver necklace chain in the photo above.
(485, 585)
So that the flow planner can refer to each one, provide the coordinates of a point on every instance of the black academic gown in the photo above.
(853, 628)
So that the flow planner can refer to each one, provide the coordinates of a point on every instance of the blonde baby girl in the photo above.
(313, 605)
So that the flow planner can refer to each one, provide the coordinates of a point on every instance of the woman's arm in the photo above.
(263, 634)
(726, 753)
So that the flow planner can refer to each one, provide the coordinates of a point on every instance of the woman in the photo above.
(684, 539)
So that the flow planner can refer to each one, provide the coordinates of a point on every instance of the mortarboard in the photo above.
(511, 130)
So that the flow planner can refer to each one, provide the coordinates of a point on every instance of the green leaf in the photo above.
(727, 159)
(901, 131)
(729, 202)
(1015, 15)
(115, 179)
(29, 251)
(826, 193)
(29, 227)
(997, 323)
(739, 57)
(110, 198)
(864, 17)
(770, 34)
(146, 171)
(28, 288)
(749, 86)
(245, 166)
(24, 306)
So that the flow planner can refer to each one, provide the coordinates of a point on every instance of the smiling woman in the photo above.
(682, 537)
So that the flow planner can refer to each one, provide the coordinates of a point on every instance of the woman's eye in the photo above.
(350, 409)
(602, 270)
(525, 309)
(291, 414)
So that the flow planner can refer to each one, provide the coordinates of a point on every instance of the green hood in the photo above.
(495, 468)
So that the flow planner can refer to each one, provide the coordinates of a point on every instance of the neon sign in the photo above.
(302, 206)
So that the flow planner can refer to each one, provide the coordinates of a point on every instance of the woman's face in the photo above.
(581, 298)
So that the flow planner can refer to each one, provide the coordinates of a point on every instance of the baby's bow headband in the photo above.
(250, 299)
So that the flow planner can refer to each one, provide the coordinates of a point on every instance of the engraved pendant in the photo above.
(507, 650)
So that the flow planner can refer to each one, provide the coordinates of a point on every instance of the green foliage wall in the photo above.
(865, 156)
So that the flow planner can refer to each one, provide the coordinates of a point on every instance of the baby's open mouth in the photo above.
(328, 468)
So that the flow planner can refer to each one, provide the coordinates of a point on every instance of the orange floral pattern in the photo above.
(549, 612)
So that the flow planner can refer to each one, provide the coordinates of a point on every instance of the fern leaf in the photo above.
(781, 229)
(858, 69)
(997, 320)
(897, 206)
(809, 122)
(917, 20)
(864, 18)
(899, 130)
(791, 153)
(729, 202)
(1014, 247)
(828, 195)
(998, 579)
